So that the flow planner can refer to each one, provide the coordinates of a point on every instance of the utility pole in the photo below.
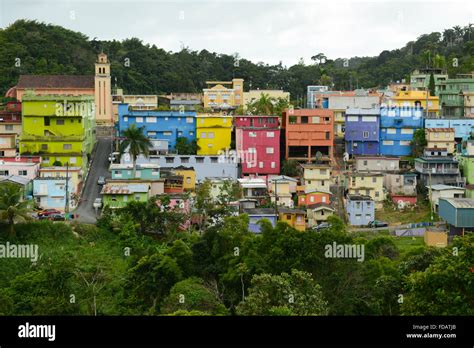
(430, 195)
(66, 207)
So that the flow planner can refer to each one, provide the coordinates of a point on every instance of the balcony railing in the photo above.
(46, 138)
(438, 171)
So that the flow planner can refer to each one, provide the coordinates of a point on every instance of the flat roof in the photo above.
(359, 198)
(442, 187)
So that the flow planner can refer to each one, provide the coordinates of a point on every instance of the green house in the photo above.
(451, 95)
(116, 195)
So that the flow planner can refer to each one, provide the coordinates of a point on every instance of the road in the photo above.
(99, 167)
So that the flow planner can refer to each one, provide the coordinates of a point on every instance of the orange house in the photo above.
(307, 132)
(314, 197)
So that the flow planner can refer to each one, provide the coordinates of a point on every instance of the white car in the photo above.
(97, 203)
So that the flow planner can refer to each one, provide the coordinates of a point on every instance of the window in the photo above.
(365, 163)
(167, 134)
(405, 143)
(201, 120)
(114, 198)
(273, 165)
(151, 119)
(139, 119)
(155, 171)
(184, 159)
(322, 182)
(137, 197)
(203, 135)
(191, 134)
(169, 159)
(369, 118)
(322, 171)
(210, 135)
(117, 173)
(269, 150)
(44, 146)
(9, 127)
(358, 216)
(189, 120)
(374, 179)
(180, 133)
(328, 135)
(391, 131)
(270, 134)
(46, 121)
(352, 118)
(260, 164)
(311, 199)
(252, 150)
(214, 159)
(377, 194)
(72, 160)
(22, 172)
(323, 199)
(322, 212)
(292, 119)
(125, 119)
(4, 173)
(188, 180)
(446, 135)
(60, 122)
(67, 146)
(304, 119)
(387, 142)
(365, 134)
(199, 159)
(407, 130)
(436, 135)
(151, 134)
(315, 119)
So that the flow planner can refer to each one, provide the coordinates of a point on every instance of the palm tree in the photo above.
(12, 207)
(263, 106)
(136, 142)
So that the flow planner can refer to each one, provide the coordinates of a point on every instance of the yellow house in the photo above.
(214, 133)
(189, 177)
(294, 217)
(317, 213)
(369, 184)
(280, 190)
(316, 177)
(218, 96)
(339, 122)
(417, 98)
(439, 138)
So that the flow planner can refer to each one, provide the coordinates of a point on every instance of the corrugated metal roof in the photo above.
(461, 203)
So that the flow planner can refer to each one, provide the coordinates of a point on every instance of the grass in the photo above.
(391, 214)
(405, 244)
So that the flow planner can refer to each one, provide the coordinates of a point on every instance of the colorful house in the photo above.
(257, 214)
(10, 118)
(318, 212)
(258, 144)
(377, 163)
(218, 96)
(397, 126)
(115, 195)
(360, 210)
(368, 184)
(296, 218)
(307, 133)
(279, 192)
(441, 138)
(7, 144)
(436, 167)
(72, 173)
(179, 203)
(51, 193)
(401, 184)
(97, 87)
(420, 79)
(292, 181)
(25, 184)
(453, 94)
(59, 128)
(416, 99)
(362, 134)
(214, 133)
(314, 197)
(26, 167)
(462, 127)
(254, 188)
(189, 177)
(316, 177)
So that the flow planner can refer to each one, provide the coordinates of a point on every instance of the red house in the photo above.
(258, 144)
(314, 197)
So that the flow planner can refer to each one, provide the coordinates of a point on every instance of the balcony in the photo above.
(47, 138)
(436, 171)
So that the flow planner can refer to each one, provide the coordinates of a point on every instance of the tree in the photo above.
(136, 143)
(431, 85)
(319, 58)
(184, 147)
(262, 106)
(192, 295)
(418, 143)
(289, 294)
(13, 208)
(290, 168)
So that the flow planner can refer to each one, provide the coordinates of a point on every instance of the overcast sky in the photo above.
(259, 30)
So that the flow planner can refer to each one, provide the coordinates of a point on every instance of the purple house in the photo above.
(362, 131)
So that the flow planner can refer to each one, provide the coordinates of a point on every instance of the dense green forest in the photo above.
(29, 47)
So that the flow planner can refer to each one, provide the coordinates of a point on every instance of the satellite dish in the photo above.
(401, 204)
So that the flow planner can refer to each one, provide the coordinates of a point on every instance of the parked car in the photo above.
(321, 226)
(377, 224)
(97, 203)
(101, 180)
(56, 217)
(48, 212)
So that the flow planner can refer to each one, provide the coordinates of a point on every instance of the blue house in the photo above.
(458, 214)
(50, 193)
(159, 125)
(362, 131)
(146, 171)
(258, 214)
(397, 126)
(360, 210)
(462, 126)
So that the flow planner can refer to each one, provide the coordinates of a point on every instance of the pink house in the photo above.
(179, 203)
(258, 144)
(26, 167)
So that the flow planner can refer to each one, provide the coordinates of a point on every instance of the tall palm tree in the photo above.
(263, 106)
(136, 142)
(12, 208)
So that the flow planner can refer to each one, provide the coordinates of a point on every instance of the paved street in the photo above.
(99, 167)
